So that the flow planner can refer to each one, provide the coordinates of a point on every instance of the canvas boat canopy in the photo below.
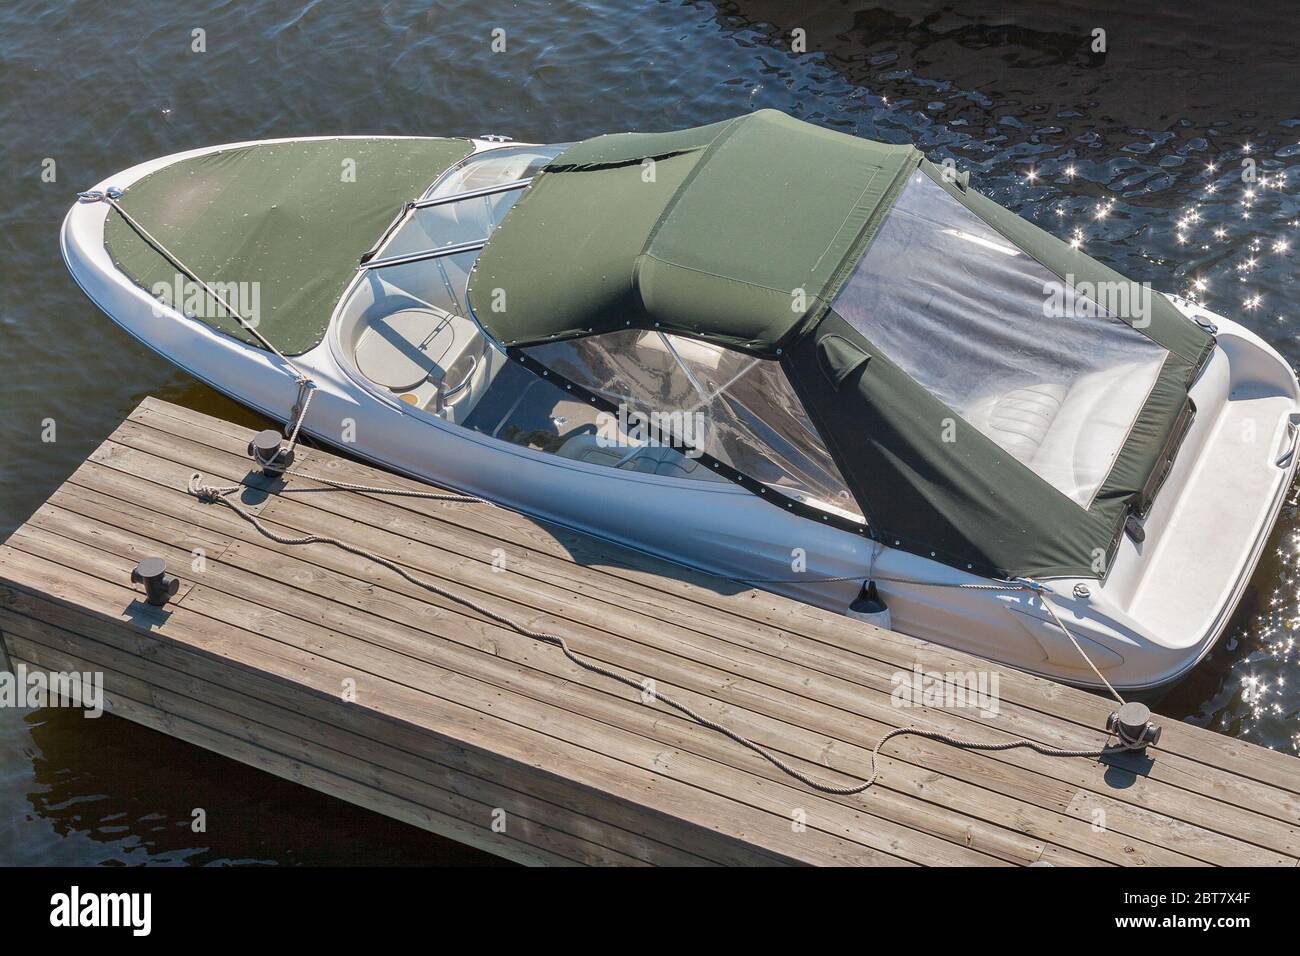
(954, 381)
(701, 232)
(277, 228)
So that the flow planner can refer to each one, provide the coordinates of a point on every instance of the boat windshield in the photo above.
(461, 206)
(406, 327)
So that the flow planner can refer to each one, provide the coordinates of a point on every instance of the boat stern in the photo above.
(1181, 571)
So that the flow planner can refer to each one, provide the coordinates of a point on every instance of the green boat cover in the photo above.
(276, 228)
(757, 234)
(701, 232)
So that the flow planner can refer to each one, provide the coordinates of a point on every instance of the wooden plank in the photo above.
(941, 753)
(176, 690)
(1282, 805)
(449, 805)
(832, 830)
(1206, 815)
(990, 806)
(457, 728)
(371, 798)
(1055, 700)
(457, 715)
(462, 725)
(365, 725)
(687, 736)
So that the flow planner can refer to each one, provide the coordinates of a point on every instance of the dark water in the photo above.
(1137, 152)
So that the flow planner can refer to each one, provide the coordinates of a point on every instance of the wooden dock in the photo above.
(331, 671)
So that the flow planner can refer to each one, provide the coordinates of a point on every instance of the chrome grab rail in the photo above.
(472, 193)
(465, 379)
(437, 253)
(368, 261)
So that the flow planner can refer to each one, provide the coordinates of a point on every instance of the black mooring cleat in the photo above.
(159, 587)
(1132, 724)
(265, 450)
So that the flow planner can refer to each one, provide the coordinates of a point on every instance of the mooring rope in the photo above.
(1047, 606)
(1020, 584)
(379, 490)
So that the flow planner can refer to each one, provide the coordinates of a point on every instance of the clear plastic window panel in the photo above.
(739, 409)
(1054, 379)
(470, 219)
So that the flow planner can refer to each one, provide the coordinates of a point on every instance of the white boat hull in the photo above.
(1160, 609)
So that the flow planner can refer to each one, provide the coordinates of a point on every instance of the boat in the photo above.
(794, 358)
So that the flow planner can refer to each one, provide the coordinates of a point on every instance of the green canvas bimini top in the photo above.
(278, 225)
(971, 423)
(730, 232)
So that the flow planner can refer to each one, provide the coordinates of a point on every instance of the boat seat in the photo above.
(403, 348)
(1069, 436)
(649, 460)
(1019, 419)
